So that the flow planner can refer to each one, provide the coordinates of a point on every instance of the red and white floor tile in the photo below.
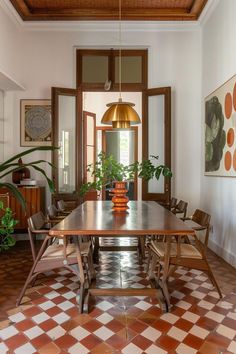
(49, 322)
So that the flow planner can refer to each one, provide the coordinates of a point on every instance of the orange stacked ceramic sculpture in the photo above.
(119, 198)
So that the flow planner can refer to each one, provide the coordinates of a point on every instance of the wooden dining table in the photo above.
(96, 218)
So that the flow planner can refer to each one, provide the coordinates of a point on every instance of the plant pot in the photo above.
(119, 199)
(91, 195)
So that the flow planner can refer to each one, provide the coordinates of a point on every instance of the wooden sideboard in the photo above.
(35, 201)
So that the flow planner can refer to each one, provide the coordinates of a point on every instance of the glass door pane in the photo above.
(94, 69)
(157, 141)
(131, 69)
(67, 144)
(156, 134)
(122, 145)
(67, 135)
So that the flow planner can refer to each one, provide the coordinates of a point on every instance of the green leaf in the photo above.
(14, 190)
(29, 151)
(49, 181)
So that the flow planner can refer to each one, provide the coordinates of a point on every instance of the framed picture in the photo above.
(220, 130)
(36, 122)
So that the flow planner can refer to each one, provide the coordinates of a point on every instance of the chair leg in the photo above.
(153, 263)
(141, 246)
(31, 275)
(30, 278)
(34, 280)
(81, 297)
(91, 266)
(213, 280)
(148, 260)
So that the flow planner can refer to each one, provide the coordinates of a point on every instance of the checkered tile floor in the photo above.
(49, 322)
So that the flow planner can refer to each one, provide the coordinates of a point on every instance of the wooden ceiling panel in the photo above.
(99, 10)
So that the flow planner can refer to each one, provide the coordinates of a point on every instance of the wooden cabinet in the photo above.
(35, 201)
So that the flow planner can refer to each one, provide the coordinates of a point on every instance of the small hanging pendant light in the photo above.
(120, 114)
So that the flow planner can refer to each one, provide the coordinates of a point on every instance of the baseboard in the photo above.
(21, 237)
(220, 251)
(25, 237)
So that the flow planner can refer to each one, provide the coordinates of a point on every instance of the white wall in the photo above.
(47, 58)
(218, 194)
(1, 126)
(10, 46)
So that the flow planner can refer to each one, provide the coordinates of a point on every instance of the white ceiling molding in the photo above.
(108, 26)
(12, 13)
(98, 26)
(207, 11)
(8, 84)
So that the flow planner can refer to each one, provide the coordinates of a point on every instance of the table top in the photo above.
(142, 218)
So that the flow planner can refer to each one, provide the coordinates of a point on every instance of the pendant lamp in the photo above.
(120, 114)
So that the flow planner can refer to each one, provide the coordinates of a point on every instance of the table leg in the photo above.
(96, 250)
(141, 248)
(163, 281)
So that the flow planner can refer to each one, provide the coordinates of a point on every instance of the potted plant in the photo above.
(106, 170)
(7, 221)
(7, 224)
(12, 165)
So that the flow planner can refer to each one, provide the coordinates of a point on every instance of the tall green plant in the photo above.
(107, 169)
(12, 165)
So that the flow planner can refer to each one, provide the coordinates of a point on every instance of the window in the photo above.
(97, 67)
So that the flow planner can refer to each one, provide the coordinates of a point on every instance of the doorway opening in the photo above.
(124, 145)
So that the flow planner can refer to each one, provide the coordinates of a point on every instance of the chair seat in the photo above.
(186, 250)
(55, 251)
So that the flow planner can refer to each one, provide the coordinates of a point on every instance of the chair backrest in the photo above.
(52, 211)
(61, 205)
(181, 208)
(202, 219)
(36, 221)
(173, 202)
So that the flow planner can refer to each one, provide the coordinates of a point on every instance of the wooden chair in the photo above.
(62, 207)
(53, 254)
(190, 255)
(54, 213)
(181, 208)
(173, 203)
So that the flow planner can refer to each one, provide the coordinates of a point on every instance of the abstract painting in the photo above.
(36, 124)
(220, 130)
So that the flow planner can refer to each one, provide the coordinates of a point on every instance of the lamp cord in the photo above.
(120, 47)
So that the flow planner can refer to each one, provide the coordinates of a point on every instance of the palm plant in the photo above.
(12, 165)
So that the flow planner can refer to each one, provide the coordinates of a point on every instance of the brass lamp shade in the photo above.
(120, 115)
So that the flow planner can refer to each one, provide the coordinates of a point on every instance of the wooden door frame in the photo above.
(164, 198)
(55, 92)
(90, 114)
(135, 129)
(112, 54)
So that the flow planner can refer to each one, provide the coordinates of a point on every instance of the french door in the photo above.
(67, 135)
(156, 125)
(71, 127)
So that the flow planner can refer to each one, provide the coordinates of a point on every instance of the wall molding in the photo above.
(207, 11)
(223, 253)
(108, 26)
(7, 83)
(98, 26)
